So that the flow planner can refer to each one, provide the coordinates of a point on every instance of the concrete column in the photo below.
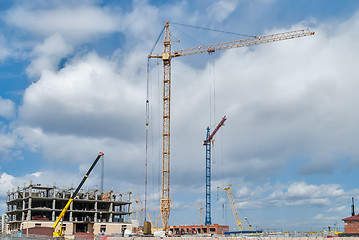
(30, 189)
(111, 212)
(53, 215)
(54, 190)
(95, 215)
(8, 199)
(23, 210)
(71, 208)
(24, 191)
(30, 203)
(53, 210)
(72, 204)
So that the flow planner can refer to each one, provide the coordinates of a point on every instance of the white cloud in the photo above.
(76, 22)
(37, 174)
(6, 183)
(322, 217)
(302, 193)
(4, 49)
(89, 96)
(48, 55)
(303, 190)
(220, 10)
(7, 108)
(7, 144)
(339, 209)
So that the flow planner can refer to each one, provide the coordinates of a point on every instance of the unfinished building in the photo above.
(91, 211)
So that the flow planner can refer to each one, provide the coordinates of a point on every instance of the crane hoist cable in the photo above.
(214, 30)
(102, 172)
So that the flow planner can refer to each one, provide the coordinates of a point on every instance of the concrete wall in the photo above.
(69, 226)
(111, 228)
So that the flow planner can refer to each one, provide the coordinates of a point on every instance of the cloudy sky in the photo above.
(73, 83)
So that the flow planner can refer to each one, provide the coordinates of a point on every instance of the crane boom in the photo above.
(166, 57)
(243, 43)
(59, 233)
(234, 208)
(220, 124)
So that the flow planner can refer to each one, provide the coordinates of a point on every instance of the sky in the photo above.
(74, 82)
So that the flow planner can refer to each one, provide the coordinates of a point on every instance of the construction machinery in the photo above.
(239, 224)
(200, 211)
(154, 224)
(139, 211)
(166, 57)
(209, 140)
(59, 233)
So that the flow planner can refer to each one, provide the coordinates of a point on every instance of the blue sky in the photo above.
(73, 83)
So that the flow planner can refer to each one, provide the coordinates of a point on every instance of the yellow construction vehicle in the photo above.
(59, 233)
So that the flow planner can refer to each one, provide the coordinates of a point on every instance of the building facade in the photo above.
(214, 229)
(2, 223)
(90, 212)
(351, 225)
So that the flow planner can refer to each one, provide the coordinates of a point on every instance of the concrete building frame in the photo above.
(91, 211)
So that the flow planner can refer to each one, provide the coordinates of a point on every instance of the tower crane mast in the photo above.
(200, 211)
(166, 57)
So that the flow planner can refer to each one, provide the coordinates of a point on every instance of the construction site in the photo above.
(35, 206)
(70, 212)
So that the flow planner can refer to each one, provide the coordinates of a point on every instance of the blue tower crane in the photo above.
(207, 143)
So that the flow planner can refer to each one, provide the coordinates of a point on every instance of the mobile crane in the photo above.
(59, 234)
(166, 57)
(240, 227)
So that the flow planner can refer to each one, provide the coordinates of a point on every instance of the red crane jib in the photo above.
(215, 130)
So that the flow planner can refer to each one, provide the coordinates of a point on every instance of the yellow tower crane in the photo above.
(139, 210)
(200, 212)
(166, 57)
